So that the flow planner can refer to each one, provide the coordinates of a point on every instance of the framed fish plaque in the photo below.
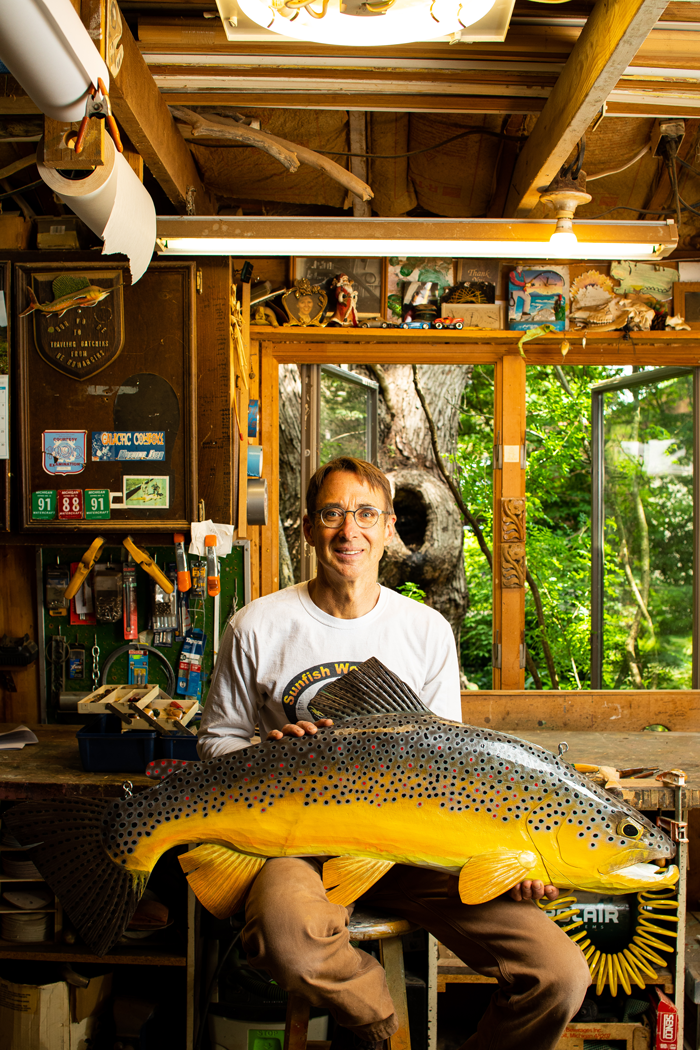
(107, 395)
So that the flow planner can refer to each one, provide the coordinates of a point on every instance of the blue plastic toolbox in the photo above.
(182, 747)
(105, 749)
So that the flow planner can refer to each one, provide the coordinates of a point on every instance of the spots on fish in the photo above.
(376, 761)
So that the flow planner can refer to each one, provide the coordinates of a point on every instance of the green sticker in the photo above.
(96, 504)
(44, 505)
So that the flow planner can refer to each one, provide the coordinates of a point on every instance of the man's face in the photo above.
(349, 553)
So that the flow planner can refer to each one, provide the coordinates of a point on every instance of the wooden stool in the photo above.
(365, 926)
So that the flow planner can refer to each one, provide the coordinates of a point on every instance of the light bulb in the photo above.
(564, 239)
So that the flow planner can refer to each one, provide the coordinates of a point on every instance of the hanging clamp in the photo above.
(98, 105)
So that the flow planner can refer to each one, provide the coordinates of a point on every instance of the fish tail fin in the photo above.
(98, 896)
(33, 303)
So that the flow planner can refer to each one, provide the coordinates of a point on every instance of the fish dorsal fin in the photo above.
(220, 877)
(369, 689)
(66, 284)
(482, 878)
(347, 878)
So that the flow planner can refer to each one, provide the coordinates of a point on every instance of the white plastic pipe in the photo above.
(50, 53)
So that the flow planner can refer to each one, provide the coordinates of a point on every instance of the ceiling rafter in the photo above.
(608, 42)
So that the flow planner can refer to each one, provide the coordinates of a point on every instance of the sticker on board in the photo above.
(70, 504)
(128, 444)
(63, 451)
(44, 505)
(97, 504)
(146, 492)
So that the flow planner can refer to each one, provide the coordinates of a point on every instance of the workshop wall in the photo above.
(217, 451)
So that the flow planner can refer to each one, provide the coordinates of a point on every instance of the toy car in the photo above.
(415, 324)
(449, 322)
(377, 322)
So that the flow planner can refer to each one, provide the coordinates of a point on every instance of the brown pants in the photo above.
(301, 939)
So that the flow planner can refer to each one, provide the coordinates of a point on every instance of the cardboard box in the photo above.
(51, 1016)
(15, 232)
(664, 1021)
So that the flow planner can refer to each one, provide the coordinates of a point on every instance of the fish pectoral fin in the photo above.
(347, 878)
(484, 877)
(220, 877)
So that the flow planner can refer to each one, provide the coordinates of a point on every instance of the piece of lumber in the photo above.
(62, 156)
(608, 42)
(358, 164)
(141, 110)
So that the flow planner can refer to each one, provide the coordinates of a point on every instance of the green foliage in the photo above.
(558, 527)
(412, 590)
(343, 423)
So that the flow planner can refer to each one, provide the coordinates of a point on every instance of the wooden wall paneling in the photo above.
(215, 386)
(5, 288)
(17, 618)
(509, 483)
(269, 438)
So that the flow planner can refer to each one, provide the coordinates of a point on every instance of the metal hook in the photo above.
(563, 748)
(126, 788)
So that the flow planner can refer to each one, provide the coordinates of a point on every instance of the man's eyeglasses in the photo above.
(365, 517)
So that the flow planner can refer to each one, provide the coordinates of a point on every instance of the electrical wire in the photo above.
(685, 164)
(689, 207)
(634, 961)
(424, 149)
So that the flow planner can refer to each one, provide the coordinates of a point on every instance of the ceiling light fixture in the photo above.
(365, 23)
(440, 238)
(565, 194)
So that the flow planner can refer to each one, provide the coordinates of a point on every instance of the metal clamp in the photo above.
(677, 829)
(98, 105)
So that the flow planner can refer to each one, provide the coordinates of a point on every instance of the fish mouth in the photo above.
(632, 858)
(643, 876)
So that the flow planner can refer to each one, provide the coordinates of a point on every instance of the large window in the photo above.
(643, 610)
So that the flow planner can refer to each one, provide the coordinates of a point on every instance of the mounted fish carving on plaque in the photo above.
(78, 320)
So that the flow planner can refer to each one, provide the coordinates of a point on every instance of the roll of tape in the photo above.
(257, 501)
(255, 461)
(253, 413)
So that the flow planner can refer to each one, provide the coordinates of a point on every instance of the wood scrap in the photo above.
(287, 153)
(201, 128)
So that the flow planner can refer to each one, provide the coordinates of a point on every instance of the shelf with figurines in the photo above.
(484, 301)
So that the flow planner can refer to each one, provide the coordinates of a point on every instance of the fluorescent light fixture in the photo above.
(440, 238)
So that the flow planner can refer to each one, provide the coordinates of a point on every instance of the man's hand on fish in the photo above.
(533, 890)
(299, 729)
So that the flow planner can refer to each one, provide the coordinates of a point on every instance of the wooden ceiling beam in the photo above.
(143, 113)
(608, 42)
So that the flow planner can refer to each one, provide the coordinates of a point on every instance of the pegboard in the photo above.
(58, 698)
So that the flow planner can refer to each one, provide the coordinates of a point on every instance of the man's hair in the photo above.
(374, 477)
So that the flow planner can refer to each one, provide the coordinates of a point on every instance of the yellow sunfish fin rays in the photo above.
(482, 878)
(220, 877)
(347, 878)
(369, 688)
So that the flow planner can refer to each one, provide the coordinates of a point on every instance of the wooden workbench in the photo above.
(52, 767)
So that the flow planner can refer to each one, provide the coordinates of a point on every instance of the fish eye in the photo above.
(629, 830)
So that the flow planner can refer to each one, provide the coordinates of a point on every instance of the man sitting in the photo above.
(277, 652)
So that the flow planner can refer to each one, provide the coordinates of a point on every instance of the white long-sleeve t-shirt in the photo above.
(280, 650)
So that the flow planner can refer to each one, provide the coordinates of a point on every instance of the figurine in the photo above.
(345, 315)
